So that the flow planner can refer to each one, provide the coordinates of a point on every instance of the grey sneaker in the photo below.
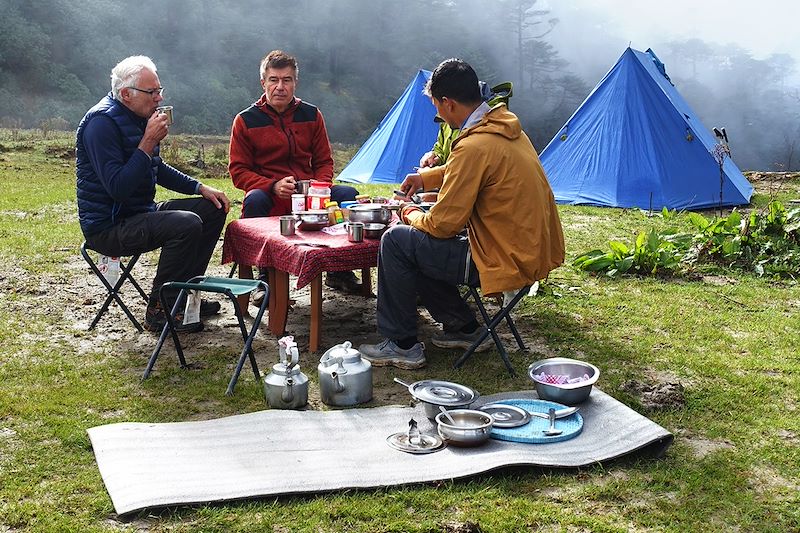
(456, 339)
(387, 353)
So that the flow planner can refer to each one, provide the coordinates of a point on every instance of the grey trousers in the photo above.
(411, 263)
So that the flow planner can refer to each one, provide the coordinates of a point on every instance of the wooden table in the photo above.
(307, 254)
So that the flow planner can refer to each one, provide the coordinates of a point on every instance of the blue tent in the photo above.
(634, 142)
(402, 137)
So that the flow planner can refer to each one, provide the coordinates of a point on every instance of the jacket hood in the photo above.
(498, 121)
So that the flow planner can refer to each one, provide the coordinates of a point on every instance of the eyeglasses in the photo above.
(151, 92)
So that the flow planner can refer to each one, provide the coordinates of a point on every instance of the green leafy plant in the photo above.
(652, 253)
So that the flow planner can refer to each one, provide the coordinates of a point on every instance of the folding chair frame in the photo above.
(113, 291)
(491, 324)
(218, 285)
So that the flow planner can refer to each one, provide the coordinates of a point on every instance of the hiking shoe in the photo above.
(387, 353)
(155, 319)
(209, 308)
(258, 296)
(457, 339)
(343, 281)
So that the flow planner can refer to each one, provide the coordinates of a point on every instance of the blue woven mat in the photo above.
(532, 432)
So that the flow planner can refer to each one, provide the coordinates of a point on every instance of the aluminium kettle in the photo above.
(286, 387)
(345, 378)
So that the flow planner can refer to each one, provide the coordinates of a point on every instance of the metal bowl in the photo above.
(471, 428)
(370, 213)
(373, 230)
(313, 220)
(566, 393)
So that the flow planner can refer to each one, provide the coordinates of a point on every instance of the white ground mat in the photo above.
(276, 452)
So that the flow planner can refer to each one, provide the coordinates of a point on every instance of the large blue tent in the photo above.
(403, 136)
(634, 142)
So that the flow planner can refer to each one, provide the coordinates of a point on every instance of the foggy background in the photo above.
(735, 62)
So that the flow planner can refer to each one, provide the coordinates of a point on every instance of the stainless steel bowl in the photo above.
(373, 230)
(471, 428)
(370, 213)
(313, 220)
(567, 393)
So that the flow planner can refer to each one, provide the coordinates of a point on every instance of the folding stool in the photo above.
(491, 324)
(230, 287)
(113, 291)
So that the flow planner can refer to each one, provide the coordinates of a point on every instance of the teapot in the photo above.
(344, 377)
(286, 387)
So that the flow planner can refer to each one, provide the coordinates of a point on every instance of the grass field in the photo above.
(728, 339)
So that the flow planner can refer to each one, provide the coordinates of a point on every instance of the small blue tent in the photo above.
(634, 142)
(402, 137)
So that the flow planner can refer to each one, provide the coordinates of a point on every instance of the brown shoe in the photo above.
(343, 281)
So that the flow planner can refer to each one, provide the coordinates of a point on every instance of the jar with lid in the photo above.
(335, 215)
(318, 193)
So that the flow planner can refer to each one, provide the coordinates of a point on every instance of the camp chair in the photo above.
(112, 292)
(230, 287)
(491, 324)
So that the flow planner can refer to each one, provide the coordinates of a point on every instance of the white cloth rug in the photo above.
(275, 452)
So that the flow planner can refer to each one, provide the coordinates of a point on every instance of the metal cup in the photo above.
(166, 110)
(355, 231)
(302, 186)
(287, 225)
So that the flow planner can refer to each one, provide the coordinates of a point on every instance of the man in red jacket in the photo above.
(278, 141)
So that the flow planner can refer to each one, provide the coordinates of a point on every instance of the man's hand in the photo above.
(218, 198)
(430, 159)
(284, 188)
(156, 129)
(411, 184)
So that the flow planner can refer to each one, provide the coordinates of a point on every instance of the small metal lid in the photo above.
(443, 393)
(505, 415)
(280, 370)
(427, 443)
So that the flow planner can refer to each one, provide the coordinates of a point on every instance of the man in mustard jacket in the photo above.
(494, 185)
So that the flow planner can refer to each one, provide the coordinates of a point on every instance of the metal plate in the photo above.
(506, 415)
(427, 444)
(442, 392)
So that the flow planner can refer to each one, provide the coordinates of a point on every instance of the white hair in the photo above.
(127, 72)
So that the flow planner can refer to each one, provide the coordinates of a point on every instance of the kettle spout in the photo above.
(287, 395)
(337, 385)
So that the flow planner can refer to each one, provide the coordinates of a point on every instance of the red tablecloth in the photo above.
(258, 242)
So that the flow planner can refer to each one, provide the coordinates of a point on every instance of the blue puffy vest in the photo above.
(97, 210)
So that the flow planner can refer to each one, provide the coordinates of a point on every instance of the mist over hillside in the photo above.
(357, 56)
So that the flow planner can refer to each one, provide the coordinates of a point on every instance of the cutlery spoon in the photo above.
(552, 431)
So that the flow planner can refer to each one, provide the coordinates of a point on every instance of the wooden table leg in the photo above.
(316, 314)
(245, 272)
(366, 282)
(278, 301)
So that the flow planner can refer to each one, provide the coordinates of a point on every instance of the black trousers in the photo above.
(411, 263)
(186, 230)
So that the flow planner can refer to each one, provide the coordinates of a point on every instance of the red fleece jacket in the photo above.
(267, 146)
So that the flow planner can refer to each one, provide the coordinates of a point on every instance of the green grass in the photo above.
(731, 340)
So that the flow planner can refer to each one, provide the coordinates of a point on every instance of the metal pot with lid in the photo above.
(433, 393)
(345, 378)
(370, 213)
(286, 387)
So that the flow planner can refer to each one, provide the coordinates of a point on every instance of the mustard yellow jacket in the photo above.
(494, 184)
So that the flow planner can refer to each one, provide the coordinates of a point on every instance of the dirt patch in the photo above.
(76, 291)
(665, 393)
(60, 152)
(702, 447)
(459, 527)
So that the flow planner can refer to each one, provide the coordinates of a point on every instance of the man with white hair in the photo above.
(118, 166)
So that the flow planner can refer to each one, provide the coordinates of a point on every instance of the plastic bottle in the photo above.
(318, 193)
(335, 215)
